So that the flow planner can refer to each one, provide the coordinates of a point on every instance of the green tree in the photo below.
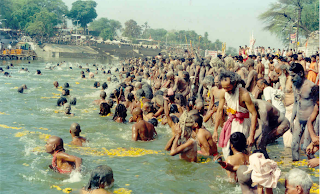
(84, 11)
(42, 23)
(131, 29)
(106, 28)
(231, 51)
(288, 16)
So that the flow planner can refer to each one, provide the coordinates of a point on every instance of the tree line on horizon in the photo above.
(39, 17)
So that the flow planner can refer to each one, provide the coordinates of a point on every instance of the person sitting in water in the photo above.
(56, 84)
(67, 109)
(120, 114)
(204, 137)
(182, 143)
(61, 101)
(104, 109)
(141, 130)
(39, 72)
(102, 99)
(61, 162)
(96, 84)
(100, 179)
(239, 155)
(75, 134)
(147, 111)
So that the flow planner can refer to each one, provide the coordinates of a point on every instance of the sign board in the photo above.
(212, 53)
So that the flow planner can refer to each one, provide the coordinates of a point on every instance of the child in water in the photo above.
(75, 133)
(239, 155)
(61, 162)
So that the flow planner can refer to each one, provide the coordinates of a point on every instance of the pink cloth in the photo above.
(265, 172)
(226, 130)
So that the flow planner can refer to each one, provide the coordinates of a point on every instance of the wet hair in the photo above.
(297, 68)
(38, 71)
(173, 108)
(104, 85)
(95, 84)
(67, 92)
(120, 111)
(73, 101)
(234, 78)
(239, 142)
(1, 69)
(104, 109)
(186, 76)
(154, 122)
(7, 67)
(66, 85)
(6, 74)
(315, 93)
(82, 72)
(175, 119)
(130, 96)
(61, 100)
(198, 119)
(110, 102)
(295, 57)
(191, 101)
(20, 89)
(99, 176)
(83, 76)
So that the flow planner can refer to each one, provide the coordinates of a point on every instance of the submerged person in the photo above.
(61, 101)
(75, 131)
(239, 155)
(61, 162)
(20, 89)
(181, 142)
(101, 178)
(67, 109)
(56, 84)
(142, 130)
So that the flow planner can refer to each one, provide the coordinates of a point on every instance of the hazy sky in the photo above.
(230, 21)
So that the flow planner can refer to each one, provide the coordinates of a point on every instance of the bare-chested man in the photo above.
(260, 69)
(302, 108)
(61, 162)
(142, 130)
(182, 142)
(252, 76)
(239, 105)
(75, 131)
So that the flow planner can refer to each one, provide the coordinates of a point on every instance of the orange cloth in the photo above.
(312, 76)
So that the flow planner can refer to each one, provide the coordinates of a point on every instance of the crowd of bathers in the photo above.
(224, 107)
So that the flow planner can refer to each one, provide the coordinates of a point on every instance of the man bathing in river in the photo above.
(75, 131)
(142, 130)
(61, 162)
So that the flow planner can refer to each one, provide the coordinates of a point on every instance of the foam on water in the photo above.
(74, 177)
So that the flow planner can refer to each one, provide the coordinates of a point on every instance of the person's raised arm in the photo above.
(166, 112)
(219, 115)
(254, 117)
(175, 149)
(169, 143)
(311, 119)
(208, 115)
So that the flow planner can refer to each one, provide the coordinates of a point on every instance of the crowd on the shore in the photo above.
(232, 105)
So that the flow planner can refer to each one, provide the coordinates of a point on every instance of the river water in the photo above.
(28, 119)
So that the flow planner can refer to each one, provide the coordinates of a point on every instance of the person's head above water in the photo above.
(96, 84)
(67, 108)
(61, 101)
(20, 89)
(238, 142)
(75, 129)
(120, 111)
(104, 85)
(54, 143)
(103, 94)
(73, 101)
(38, 72)
(24, 86)
(56, 84)
(101, 177)
(104, 109)
(137, 113)
(65, 92)
(66, 85)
